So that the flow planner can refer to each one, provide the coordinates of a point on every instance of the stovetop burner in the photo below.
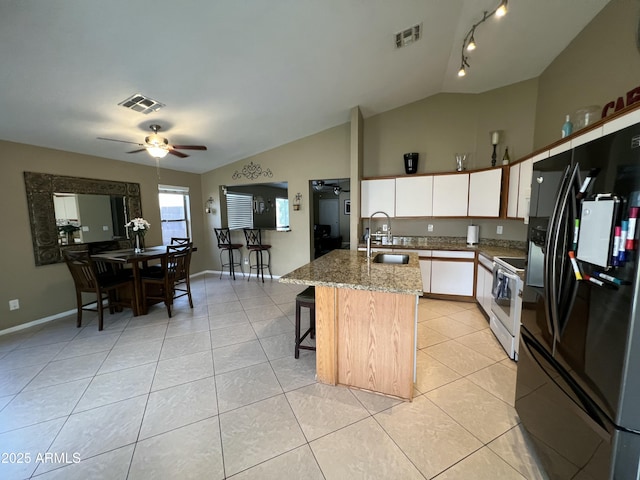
(516, 264)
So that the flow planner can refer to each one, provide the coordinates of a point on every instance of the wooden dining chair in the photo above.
(106, 285)
(171, 281)
(180, 241)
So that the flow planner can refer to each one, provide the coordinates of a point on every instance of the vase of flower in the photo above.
(137, 228)
(139, 248)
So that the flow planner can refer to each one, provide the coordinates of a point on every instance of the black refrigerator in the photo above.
(578, 380)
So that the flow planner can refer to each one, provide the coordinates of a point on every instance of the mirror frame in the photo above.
(40, 188)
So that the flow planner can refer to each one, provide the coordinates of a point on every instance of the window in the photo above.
(282, 213)
(239, 211)
(174, 212)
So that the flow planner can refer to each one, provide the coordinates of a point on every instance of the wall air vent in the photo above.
(142, 104)
(408, 36)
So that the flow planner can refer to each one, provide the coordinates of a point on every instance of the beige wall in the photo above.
(48, 290)
(440, 126)
(599, 65)
(320, 156)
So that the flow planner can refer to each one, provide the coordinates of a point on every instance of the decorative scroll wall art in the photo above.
(252, 171)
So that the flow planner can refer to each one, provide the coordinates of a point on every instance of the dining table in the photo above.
(137, 261)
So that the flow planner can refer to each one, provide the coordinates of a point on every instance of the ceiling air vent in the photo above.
(408, 36)
(141, 104)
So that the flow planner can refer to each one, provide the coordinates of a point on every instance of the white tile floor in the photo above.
(215, 393)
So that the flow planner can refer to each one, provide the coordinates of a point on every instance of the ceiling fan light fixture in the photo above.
(157, 151)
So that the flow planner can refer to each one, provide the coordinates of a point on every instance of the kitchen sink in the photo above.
(396, 258)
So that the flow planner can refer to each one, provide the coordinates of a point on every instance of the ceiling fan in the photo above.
(321, 185)
(158, 146)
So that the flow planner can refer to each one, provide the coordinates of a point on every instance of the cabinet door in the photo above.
(524, 192)
(452, 278)
(487, 291)
(484, 193)
(425, 271)
(450, 195)
(484, 284)
(378, 195)
(514, 184)
(414, 196)
(480, 285)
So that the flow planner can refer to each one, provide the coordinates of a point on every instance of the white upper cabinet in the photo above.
(484, 193)
(514, 187)
(378, 195)
(524, 189)
(621, 122)
(414, 196)
(520, 176)
(450, 195)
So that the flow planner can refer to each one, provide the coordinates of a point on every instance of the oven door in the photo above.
(504, 298)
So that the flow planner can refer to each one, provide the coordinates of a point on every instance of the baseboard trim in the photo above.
(34, 323)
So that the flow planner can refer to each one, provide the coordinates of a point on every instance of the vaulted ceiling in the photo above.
(244, 76)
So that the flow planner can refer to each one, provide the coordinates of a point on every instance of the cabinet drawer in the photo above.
(452, 254)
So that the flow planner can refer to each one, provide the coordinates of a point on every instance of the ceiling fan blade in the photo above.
(190, 147)
(139, 150)
(177, 153)
(121, 141)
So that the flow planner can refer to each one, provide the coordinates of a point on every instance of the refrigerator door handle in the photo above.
(548, 280)
(554, 253)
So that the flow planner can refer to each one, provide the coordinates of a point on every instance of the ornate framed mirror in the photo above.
(40, 189)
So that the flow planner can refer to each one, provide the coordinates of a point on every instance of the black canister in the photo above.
(411, 162)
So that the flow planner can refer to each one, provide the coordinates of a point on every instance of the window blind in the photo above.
(239, 211)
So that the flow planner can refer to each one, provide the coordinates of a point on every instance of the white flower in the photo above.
(138, 225)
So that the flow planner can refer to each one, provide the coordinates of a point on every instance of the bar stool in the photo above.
(306, 299)
(224, 244)
(253, 236)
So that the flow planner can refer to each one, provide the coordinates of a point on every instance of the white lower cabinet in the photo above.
(484, 284)
(452, 277)
(425, 270)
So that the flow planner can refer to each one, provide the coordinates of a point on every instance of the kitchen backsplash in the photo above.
(427, 241)
(512, 230)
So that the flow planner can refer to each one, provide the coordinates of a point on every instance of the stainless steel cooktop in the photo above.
(516, 264)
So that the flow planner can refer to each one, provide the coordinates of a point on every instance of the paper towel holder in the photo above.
(472, 234)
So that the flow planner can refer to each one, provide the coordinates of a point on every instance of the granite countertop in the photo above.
(489, 248)
(351, 269)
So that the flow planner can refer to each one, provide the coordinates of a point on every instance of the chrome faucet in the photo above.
(369, 227)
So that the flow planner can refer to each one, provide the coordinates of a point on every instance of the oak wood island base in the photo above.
(366, 318)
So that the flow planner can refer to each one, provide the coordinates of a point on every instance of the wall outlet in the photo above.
(85, 228)
(105, 228)
(14, 304)
(384, 227)
(499, 230)
(430, 228)
(246, 260)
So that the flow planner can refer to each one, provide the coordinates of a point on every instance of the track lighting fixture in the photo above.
(471, 46)
(469, 42)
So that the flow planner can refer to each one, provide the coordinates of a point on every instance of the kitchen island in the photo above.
(366, 320)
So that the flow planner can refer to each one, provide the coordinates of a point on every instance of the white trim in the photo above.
(173, 189)
(37, 322)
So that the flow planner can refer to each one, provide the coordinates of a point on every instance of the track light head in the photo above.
(501, 11)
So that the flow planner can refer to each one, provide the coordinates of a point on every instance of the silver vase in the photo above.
(139, 247)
